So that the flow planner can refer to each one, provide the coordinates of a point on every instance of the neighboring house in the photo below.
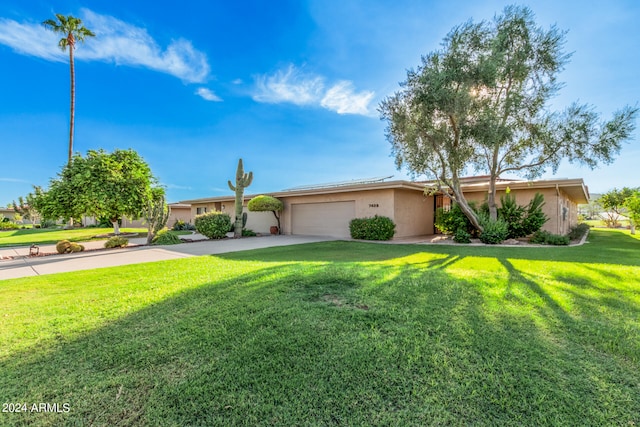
(7, 213)
(179, 212)
(326, 210)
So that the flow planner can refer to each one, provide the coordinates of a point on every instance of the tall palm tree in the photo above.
(73, 31)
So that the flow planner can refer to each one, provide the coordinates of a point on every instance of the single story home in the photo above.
(325, 210)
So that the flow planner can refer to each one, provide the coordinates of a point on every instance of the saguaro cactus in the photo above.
(243, 180)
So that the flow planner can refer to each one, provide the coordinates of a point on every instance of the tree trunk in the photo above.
(116, 227)
(277, 219)
(632, 226)
(73, 101)
(491, 199)
(466, 209)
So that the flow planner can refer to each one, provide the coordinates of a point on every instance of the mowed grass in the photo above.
(335, 333)
(42, 236)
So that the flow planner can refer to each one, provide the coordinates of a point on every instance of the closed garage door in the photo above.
(322, 219)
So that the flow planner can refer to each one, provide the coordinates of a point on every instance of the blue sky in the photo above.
(292, 87)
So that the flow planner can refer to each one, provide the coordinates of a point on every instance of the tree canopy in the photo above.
(263, 203)
(614, 203)
(481, 103)
(101, 184)
(632, 204)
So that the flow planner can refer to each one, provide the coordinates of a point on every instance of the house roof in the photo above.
(310, 190)
(575, 188)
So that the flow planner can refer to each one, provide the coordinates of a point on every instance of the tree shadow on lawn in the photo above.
(267, 348)
(603, 248)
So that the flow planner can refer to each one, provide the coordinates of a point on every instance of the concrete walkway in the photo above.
(22, 265)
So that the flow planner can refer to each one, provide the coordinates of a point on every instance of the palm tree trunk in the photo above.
(73, 101)
(72, 108)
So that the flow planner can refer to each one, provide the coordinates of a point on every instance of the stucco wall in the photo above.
(413, 213)
(179, 213)
(260, 222)
(553, 206)
(367, 203)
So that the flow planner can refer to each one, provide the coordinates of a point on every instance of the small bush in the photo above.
(542, 237)
(180, 225)
(494, 231)
(48, 223)
(449, 222)
(6, 225)
(461, 236)
(67, 247)
(214, 225)
(165, 237)
(376, 228)
(248, 233)
(116, 242)
(522, 220)
(578, 231)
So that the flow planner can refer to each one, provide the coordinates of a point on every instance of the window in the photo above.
(200, 211)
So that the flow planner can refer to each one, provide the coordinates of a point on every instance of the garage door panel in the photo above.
(322, 219)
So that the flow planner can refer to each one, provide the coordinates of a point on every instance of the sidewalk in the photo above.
(25, 266)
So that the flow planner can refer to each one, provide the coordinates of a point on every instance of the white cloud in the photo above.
(16, 180)
(290, 85)
(116, 41)
(342, 99)
(207, 94)
(296, 87)
(237, 82)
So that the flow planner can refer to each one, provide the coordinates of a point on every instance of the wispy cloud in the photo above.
(208, 94)
(342, 99)
(116, 41)
(15, 180)
(177, 187)
(294, 86)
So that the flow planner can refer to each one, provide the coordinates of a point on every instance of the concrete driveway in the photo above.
(24, 266)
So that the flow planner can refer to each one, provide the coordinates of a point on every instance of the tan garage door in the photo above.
(322, 219)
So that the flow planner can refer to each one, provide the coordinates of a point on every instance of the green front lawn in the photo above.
(335, 333)
(41, 236)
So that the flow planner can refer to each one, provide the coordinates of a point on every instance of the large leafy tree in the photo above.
(632, 204)
(613, 202)
(101, 184)
(481, 102)
(73, 31)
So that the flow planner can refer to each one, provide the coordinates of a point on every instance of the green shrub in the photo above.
(375, 228)
(522, 220)
(6, 225)
(214, 225)
(116, 242)
(576, 233)
(248, 233)
(542, 237)
(67, 247)
(180, 225)
(452, 220)
(48, 223)
(535, 218)
(166, 237)
(494, 231)
(461, 236)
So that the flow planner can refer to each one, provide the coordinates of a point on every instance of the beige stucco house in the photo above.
(326, 210)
